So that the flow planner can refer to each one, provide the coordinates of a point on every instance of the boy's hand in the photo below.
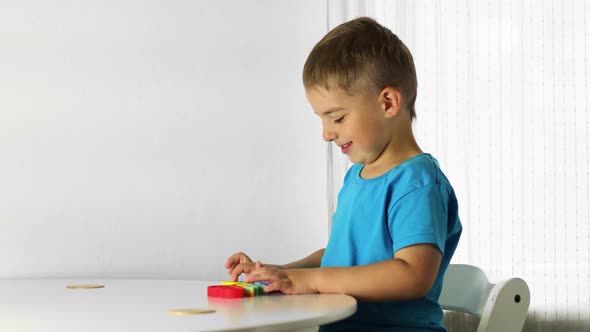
(237, 264)
(296, 281)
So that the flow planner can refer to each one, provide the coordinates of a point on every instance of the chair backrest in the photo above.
(500, 307)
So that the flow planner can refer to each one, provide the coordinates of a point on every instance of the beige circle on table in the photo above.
(185, 312)
(84, 286)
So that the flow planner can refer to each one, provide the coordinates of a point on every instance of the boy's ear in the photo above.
(390, 100)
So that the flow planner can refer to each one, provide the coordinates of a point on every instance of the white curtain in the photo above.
(503, 104)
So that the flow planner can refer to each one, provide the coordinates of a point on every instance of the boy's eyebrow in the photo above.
(332, 110)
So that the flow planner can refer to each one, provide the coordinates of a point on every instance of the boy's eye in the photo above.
(339, 119)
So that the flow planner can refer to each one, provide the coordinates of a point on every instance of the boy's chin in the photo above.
(354, 160)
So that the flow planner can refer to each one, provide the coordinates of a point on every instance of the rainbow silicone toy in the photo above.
(236, 289)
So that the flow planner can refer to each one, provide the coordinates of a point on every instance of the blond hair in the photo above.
(362, 56)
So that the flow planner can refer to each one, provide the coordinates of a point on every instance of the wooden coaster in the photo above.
(84, 286)
(186, 312)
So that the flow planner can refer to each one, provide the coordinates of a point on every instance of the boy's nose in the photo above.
(329, 135)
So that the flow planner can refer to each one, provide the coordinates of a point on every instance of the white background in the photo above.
(152, 139)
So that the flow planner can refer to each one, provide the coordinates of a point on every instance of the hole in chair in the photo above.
(517, 298)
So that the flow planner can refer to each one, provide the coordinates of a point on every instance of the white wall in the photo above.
(151, 139)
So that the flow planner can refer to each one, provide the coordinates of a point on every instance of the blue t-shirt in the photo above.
(412, 203)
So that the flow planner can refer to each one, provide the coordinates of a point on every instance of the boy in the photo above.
(396, 226)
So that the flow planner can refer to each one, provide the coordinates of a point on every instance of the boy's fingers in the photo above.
(239, 269)
(258, 274)
(234, 276)
(274, 286)
(242, 258)
(229, 263)
(233, 260)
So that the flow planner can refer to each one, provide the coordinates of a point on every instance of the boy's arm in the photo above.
(409, 275)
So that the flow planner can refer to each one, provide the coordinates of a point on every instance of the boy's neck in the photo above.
(401, 147)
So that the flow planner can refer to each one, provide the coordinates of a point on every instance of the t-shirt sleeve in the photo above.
(420, 216)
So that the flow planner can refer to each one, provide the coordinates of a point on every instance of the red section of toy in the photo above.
(223, 291)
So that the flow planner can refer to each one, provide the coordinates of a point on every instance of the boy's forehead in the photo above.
(323, 100)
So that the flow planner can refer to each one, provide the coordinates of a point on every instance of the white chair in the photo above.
(501, 307)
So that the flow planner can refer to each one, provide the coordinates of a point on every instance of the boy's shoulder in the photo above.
(422, 169)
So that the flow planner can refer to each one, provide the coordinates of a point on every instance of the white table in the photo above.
(142, 305)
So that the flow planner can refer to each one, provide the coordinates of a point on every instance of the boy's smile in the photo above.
(346, 147)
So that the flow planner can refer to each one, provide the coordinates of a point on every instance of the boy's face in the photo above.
(357, 123)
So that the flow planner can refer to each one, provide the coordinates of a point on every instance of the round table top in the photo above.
(143, 305)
